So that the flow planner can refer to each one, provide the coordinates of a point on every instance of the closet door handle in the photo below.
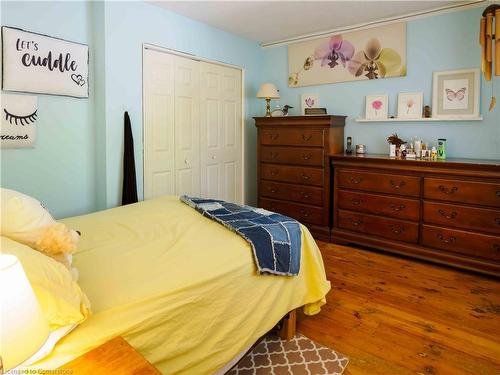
(444, 240)
(447, 190)
(446, 215)
(186, 161)
(214, 157)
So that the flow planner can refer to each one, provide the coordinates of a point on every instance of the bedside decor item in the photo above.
(42, 64)
(410, 104)
(268, 91)
(348, 149)
(19, 117)
(441, 151)
(376, 107)
(427, 113)
(280, 112)
(24, 326)
(308, 101)
(395, 145)
(455, 94)
(374, 53)
(360, 149)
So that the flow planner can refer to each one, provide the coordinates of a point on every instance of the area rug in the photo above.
(273, 356)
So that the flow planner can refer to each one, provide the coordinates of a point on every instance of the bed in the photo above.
(180, 288)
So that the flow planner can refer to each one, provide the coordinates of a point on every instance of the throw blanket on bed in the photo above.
(275, 238)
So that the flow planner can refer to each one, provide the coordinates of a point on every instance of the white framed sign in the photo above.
(19, 116)
(42, 64)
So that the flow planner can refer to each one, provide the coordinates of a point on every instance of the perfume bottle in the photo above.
(441, 151)
(348, 149)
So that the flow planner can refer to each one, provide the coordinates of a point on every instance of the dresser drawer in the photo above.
(402, 208)
(291, 137)
(300, 175)
(379, 226)
(463, 242)
(302, 213)
(474, 192)
(296, 193)
(481, 219)
(292, 155)
(379, 182)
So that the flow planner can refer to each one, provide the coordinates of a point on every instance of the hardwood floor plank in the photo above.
(393, 315)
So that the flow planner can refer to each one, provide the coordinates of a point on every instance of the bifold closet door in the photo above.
(221, 132)
(159, 115)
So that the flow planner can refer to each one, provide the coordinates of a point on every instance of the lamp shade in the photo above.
(23, 327)
(268, 91)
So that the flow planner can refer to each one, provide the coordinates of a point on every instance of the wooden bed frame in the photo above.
(288, 326)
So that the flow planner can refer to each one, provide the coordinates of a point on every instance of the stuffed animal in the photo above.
(25, 220)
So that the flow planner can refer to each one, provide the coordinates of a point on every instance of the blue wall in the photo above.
(442, 42)
(76, 164)
(60, 170)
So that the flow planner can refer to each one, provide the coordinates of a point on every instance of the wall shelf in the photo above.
(430, 119)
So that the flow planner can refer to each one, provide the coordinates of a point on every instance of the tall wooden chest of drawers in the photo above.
(293, 167)
(444, 211)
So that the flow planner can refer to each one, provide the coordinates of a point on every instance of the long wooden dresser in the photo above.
(293, 167)
(443, 211)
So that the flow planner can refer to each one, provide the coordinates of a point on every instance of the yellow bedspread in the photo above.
(180, 288)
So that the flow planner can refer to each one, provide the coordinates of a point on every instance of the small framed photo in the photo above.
(455, 94)
(308, 101)
(376, 107)
(410, 104)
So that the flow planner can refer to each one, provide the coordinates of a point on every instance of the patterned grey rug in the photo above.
(298, 356)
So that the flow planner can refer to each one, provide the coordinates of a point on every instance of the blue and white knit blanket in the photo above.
(275, 238)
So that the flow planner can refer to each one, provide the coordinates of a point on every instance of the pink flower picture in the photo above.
(377, 105)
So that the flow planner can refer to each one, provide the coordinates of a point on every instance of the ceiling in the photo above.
(271, 21)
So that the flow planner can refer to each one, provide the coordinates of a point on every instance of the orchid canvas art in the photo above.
(373, 53)
(376, 107)
(410, 105)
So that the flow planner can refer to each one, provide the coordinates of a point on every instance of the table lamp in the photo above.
(23, 327)
(268, 91)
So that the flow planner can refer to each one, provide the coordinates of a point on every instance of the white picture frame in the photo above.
(376, 107)
(37, 63)
(410, 105)
(19, 120)
(308, 101)
(456, 94)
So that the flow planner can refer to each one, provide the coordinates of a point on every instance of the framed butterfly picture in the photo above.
(455, 94)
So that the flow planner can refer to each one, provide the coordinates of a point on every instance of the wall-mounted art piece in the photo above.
(410, 105)
(41, 64)
(376, 107)
(308, 101)
(19, 117)
(374, 53)
(455, 94)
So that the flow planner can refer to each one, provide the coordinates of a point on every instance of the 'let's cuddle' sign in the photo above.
(41, 64)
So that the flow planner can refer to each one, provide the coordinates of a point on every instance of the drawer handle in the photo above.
(304, 213)
(447, 190)
(274, 172)
(305, 176)
(397, 229)
(273, 136)
(354, 222)
(273, 155)
(398, 208)
(497, 220)
(306, 137)
(305, 195)
(356, 180)
(496, 247)
(306, 156)
(451, 215)
(448, 240)
(397, 186)
(357, 201)
(273, 190)
(498, 193)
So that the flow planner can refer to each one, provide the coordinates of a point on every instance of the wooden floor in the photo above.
(392, 315)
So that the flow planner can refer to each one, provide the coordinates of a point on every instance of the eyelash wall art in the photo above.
(20, 120)
(19, 117)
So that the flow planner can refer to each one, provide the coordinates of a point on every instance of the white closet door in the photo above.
(187, 127)
(159, 145)
(221, 133)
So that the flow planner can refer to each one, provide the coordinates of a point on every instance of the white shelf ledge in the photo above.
(430, 119)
